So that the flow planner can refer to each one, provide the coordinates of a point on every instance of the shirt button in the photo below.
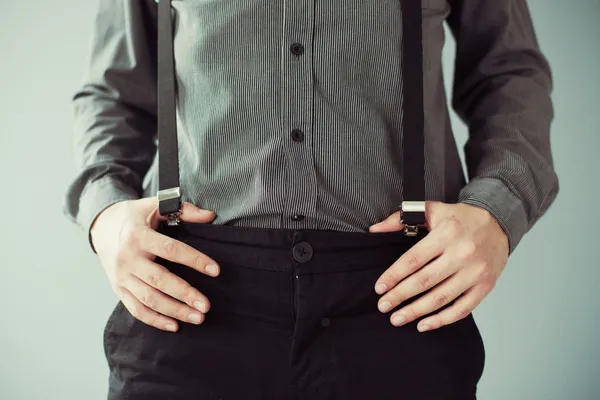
(297, 217)
(297, 135)
(302, 252)
(297, 49)
(325, 322)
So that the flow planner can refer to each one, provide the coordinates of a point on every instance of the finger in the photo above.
(463, 306)
(176, 251)
(420, 281)
(161, 303)
(430, 246)
(440, 296)
(150, 317)
(390, 224)
(189, 213)
(169, 283)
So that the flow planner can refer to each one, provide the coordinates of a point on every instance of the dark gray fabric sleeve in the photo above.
(502, 90)
(114, 111)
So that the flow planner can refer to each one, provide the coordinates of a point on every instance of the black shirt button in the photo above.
(297, 217)
(325, 322)
(297, 49)
(297, 135)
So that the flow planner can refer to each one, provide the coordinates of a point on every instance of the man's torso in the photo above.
(269, 131)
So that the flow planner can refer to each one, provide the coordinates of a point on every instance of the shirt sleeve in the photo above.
(502, 87)
(114, 111)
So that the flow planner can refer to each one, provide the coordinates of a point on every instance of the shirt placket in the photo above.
(297, 114)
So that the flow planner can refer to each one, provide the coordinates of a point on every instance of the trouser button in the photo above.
(325, 322)
(302, 252)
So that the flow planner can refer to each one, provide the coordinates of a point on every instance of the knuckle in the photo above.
(149, 300)
(483, 271)
(131, 237)
(453, 228)
(396, 297)
(121, 256)
(468, 250)
(199, 261)
(120, 279)
(436, 323)
(169, 247)
(489, 285)
(410, 314)
(156, 280)
(424, 281)
(461, 313)
(412, 260)
(153, 320)
(181, 311)
(388, 278)
(440, 300)
(188, 294)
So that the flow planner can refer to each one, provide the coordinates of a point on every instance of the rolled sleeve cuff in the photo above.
(98, 196)
(492, 195)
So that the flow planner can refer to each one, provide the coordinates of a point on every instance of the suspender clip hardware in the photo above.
(411, 230)
(168, 194)
(173, 218)
(169, 202)
(412, 216)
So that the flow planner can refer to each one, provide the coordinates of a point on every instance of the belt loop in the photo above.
(298, 237)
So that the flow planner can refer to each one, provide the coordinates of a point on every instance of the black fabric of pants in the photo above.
(293, 316)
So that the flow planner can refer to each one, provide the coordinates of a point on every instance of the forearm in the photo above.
(114, 110)
(502, 91)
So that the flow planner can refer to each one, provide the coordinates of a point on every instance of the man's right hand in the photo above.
(125, 238)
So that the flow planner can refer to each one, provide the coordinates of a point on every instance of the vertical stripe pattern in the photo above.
(290, 113)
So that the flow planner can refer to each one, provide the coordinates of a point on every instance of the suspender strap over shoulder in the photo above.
(412, 209)
(169, 192)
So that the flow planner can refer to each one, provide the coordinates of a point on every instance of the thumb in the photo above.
(390, 224)
(192, 213)
(189, 213)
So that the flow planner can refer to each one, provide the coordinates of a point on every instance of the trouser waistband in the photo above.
(281, 249)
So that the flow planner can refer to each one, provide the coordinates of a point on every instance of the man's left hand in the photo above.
(463, 255)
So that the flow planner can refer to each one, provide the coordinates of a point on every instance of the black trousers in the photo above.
(293, 316)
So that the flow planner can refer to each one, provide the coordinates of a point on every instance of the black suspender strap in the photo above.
(412, 209)
(169, 192)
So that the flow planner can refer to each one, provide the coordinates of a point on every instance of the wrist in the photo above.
(504, 206)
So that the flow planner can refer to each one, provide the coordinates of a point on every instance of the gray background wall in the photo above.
(540, 323)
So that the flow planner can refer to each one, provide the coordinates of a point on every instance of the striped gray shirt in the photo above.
(272, 139)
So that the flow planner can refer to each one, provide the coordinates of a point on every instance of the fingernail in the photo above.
(423, 328)
(170, 327)
(385, 306)
(380, 288)
(212, 269)
(195, 317)
(398, 320)
(200, 306)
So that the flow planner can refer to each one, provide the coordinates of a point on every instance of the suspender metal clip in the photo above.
(412, 216)
(169, 203)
